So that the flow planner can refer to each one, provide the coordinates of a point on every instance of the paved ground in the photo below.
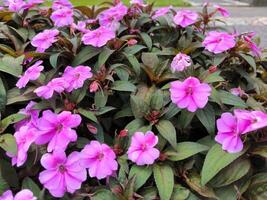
(243, 18)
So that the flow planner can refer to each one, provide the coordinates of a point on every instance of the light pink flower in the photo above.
(14, 5)
(229, 132)
(58, 4)
(255, 119)
(31, 116)
(222, 11)
(62, 17)
(55, 85)
(161, 12)
(141, 150)
(62, 174)
(22, 195)
(76, 76)
(256, 51)
(185, 18)
(25, 136)
(80, 26)
(238, 92)
(190, 94)
(31, 74)
(99, 159)
(98, 37)
(44, 40)
(180, 62)
(57, 129)
(218, 42)
(32, 3)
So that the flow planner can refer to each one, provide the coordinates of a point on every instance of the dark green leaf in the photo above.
(141, 173)
(9, 144)
(167, 131)
(139, 106)
(230, 99)
(11, 65)
(88, 114)
(207, 117)
(147, 40)
(103, 57)
(125, 86)
(3, 96)
(29, 184)
(11, 119)
(100, 99)
(85, 54)
(180, 193)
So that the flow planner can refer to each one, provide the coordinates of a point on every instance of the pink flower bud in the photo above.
(92, 128)
(94, 86)
(132, 42)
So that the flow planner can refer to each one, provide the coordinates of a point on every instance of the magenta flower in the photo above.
(62, 17)
(44, 40)
(185, 18)
(229, 132)
(222, 11)
(141, 150)
(138, 2)
(32, 3)
(190, 94)
(31, 74)
(99, 159)
(31, 118)
(58, 4)
(238, 92)
(62, 174)
(55, 85)
(256, 51)
(98, 37)
(218, 42)
(255, 119)
(14, 5)
(76, 76)
(161, 12)
(80, 26)
(57, 129)
(25, 136)
(22, 195)
(180, 62)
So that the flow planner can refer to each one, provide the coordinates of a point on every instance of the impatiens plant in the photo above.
(129, 103)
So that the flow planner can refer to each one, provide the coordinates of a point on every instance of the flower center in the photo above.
(143, 147)
(189, 90)
(62, 168)
(100, 156)
(59, 128)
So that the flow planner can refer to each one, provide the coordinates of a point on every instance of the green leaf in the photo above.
(3, 96)
(164, 178)
(215, 161)
(3, 184)
(134, 126)
(138, 106)
(11, 65)
(180, 193)
(53, 59)
(29, 184)
(185, 150)
(250, 60)
(11, 119)
(231, 173)
(260, 151)
(85, 54)
(103, 57)
(230, 99)
(147, 40)
(167, 131)
(185, 118)
(207, 117)
(9, 173)
(172, 111)
(104, 110)
(134, 63)
(125, 86)
(133, 49)
(151, 60)
(141, 173)
(156, 102)
(9, 144)
(214, 77)
(16, 95)
(101, 99)
(88, 114)
(103, 194)
(258, 187)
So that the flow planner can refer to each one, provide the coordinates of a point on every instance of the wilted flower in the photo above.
(161, 12)
(180, 62)
(57, 129)
(218, 42)
(190, 94)
(22, 195)
(185, 18)
(62, 174)
(252, 45)
(62, 17)
(98, 37)
(99, 159)
(222, 11)
(32, 73)
(142, 149)
(58, 4)
(44, 40)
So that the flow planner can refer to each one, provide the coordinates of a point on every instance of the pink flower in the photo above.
(44, 40)
(94, 86)
(31, 118)
(185, 18)
(138, 2)
(255, 119)
(229, 132)
(62, 174)
(58, 4)
(25, 136)
(190, 94)
(80, 26)
(32, 3)
(55, 85)
(238, 92)
(110, 17)
(57, 129)
(161, 12)
(100, 159)
(180, 62)
(32, 73)
(14, 5)
(22, 195)
(222, 11)
(76, 76)
(141, 150)
(256, 51)
(62, 17)
(218, 42)
(98, 37)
